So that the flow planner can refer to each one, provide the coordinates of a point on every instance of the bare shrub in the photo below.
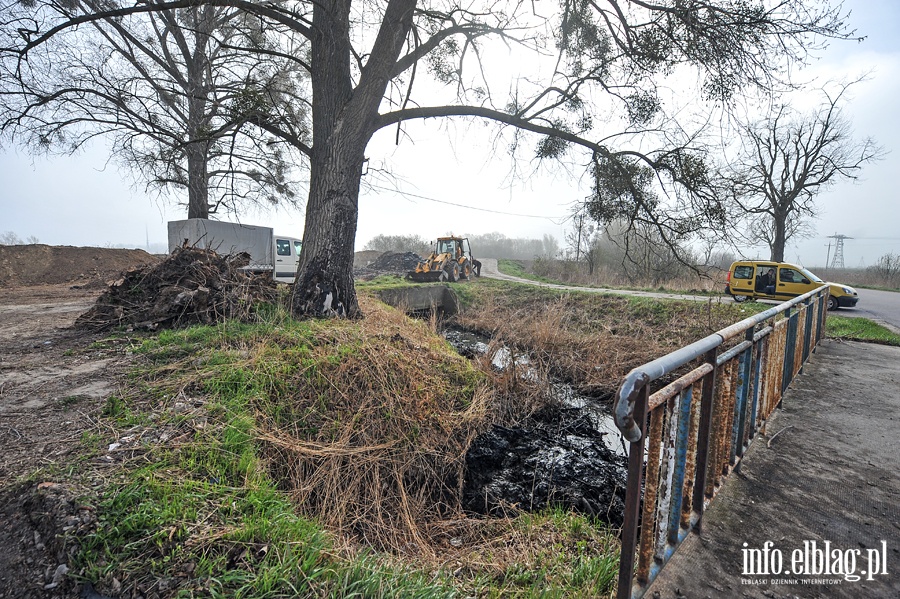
(887, 270)
(10, 238)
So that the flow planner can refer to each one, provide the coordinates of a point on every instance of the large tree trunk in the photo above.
(324, 285)
(198, 179)
(343, 118)
(779, 237)
(197, 91)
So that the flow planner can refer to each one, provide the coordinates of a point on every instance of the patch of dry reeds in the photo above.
(592, 341)
(370, 433)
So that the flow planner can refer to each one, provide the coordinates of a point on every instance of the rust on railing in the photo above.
(687, 437)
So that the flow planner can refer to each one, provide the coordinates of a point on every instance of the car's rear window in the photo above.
(743, 272)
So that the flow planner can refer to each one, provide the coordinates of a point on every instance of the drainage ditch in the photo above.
(569, 454)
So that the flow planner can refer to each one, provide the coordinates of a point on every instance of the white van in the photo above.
(287, 257)
(276, 254)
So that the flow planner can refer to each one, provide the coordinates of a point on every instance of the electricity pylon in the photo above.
(838, 260)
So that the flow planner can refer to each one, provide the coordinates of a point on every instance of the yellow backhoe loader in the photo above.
(451, 260)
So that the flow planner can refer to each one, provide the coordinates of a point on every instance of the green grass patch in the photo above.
(215, 508)
(385, 282)
(204, 517)
(860, 329)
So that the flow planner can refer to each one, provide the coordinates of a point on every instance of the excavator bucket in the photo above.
(426, 276)
(450, 260)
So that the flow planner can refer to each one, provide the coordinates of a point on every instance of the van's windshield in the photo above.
(811, 276)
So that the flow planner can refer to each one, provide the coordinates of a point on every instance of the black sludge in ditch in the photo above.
(556, 458)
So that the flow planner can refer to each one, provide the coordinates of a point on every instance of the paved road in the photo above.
(881, 306)
(830, 475)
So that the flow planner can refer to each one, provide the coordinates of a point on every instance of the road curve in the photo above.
(882, 307)
(489, 269)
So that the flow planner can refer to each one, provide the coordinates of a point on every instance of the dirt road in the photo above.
(54, 382)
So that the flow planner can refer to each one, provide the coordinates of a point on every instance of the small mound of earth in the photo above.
(556, 458)
(39, 264)
(363, 258)
(191, 286)
(388, 263)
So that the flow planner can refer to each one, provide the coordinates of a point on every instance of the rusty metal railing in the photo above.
(691, 434)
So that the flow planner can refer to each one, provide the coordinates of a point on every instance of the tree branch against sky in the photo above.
(373, 65)
(786, 160)
(172, 89)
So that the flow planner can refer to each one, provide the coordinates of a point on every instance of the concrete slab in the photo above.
(425, 297)
(830, 475)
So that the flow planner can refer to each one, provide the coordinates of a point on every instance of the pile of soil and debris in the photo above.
(555, 458)
(39, 264)
(388, 263)
(363, 258)
(191, 286)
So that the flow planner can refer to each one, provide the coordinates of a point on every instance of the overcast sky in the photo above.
(86, 200)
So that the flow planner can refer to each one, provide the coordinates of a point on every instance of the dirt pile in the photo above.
(39, 264)
(556, 458)
(388, 263)
(192, 286)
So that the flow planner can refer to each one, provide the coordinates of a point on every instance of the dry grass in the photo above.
(885, 275)
(592, 340)
(369, 433)
(365, 424)
(711, 281)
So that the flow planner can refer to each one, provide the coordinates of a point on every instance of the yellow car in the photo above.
(763, 279)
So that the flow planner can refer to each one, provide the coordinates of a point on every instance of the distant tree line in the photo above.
(399, 243)
(486, 245)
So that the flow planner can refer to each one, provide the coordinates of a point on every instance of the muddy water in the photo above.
(568, 454)
(472, 344)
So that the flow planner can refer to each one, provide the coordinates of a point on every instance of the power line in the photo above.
(557, 220)
(869, 238)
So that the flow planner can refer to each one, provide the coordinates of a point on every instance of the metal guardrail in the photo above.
(691, 444)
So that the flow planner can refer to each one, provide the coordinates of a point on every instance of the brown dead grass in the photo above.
(369, 433)
(712, 279)
(592, 340)
(366, 423)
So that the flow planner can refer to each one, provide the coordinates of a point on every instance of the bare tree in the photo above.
(887, 270)
(176, 89)
(582, 239)
(786, 160)
(10, 238)
(365, 61)
(643, 255)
